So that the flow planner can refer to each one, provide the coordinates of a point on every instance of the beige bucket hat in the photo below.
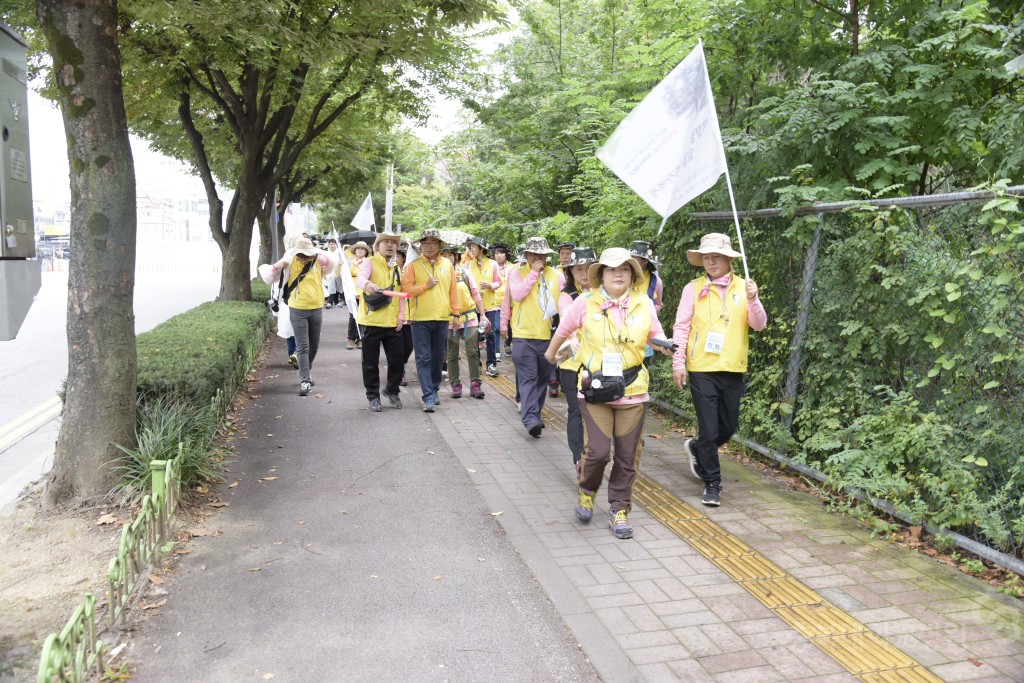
(613, 257)
(385, 237)
(303, 246)
(711, 243)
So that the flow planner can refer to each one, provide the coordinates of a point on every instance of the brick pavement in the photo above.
(654, 608)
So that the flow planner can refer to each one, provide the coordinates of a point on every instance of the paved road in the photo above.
(170, 279)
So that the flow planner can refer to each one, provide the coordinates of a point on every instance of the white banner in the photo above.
(669, 148)
(364, 218)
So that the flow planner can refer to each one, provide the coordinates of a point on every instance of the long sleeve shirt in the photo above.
(757, 319)
(365, 273)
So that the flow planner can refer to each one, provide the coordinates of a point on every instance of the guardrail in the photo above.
(76, 652)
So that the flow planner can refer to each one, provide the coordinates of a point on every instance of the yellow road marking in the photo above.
(29, 422)
(850, 643)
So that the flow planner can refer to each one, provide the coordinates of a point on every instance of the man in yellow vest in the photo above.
(534, 289)
(488, 280)
(430, 281)
(716, 312)
(380, 319)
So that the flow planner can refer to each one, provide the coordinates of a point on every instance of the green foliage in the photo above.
(168, 428)
(192, 355)
(260, 291)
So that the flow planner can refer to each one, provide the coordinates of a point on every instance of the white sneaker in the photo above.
(492, 370)
(688, 450)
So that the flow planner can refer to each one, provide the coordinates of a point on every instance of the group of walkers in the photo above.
(589, 326)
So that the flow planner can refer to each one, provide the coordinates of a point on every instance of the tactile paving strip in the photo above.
(867, 656)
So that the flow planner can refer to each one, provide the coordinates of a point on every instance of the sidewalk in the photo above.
(407, 546)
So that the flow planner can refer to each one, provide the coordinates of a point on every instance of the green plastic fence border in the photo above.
(74, 653)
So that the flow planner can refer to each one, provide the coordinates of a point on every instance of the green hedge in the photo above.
(260, 291)
(192, 355)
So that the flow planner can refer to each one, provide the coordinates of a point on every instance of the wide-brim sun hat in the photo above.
(566, 245)
(363, 245)
(387, 237)
(479, 241)
(582, 256)
(711, 243)
(303, 246)
(613, 257)
(537, 245)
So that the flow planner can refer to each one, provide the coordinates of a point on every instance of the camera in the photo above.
(274, 306)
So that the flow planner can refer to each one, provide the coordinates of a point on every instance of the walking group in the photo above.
(588, 326)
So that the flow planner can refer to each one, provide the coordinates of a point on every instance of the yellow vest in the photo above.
(485, 273)
(573, 362)
(467, 306)
(527, 317)
(309, 294)
(600, 335)
(432, 304)
(707, 317)
(385, 278)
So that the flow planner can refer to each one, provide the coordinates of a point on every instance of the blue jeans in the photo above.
(428, 340)
(494, 336)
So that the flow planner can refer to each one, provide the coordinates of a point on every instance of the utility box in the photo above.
(20, 276)
(18, 239)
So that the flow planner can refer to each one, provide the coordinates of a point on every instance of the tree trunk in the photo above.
(99, 408)
(235, 280)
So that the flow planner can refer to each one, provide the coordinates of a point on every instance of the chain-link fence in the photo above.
(894, 357)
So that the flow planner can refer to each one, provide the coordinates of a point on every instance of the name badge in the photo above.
(611, 365)
(715, 342)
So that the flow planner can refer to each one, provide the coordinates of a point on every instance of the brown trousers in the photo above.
(605, 426)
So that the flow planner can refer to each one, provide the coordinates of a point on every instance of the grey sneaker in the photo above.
(712, 495)
(492, 370)
(585, 508)
(375, 406)
(393, 400)
(304, 388)
(619, 524)
(690, 450)
(428, 406)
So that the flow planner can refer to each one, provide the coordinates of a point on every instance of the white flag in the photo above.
(364, 218)
(669, 149)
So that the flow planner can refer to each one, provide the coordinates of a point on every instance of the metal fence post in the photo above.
(802, 315)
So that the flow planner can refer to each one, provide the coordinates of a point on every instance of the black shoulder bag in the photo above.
(290, 287)
(378, 299)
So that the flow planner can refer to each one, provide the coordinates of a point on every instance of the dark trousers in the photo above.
(353, 330)
(716, 400)
(394, 348)
(532, 374)
(574, 421)
(428, 338)
(407, 341)
(493, 337)
(307, 326)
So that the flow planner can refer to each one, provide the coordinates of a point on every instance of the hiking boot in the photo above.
(403, 383)
(620, 524)
(712, 495)
(428, 405)
(304, 388)
(475, 389)
(359, 344)
(351, 345)
(585, 508)
(457, 390)
(375, 406)
(393, 400)
(690, 450)
(553, 389)
(492, 370)
(293, 360)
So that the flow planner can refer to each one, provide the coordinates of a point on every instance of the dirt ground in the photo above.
(49, 560)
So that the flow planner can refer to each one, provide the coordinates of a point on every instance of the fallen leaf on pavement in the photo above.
(155, 579)
(268, 478)
(656, 436)
(319, 395)
(481, 559)
(108, 518)
(154, 605)
(471, 471)
(437, 578)
(373, 576)
(256, 569)
(495, 514)
(302, 521)
(267, 677)
(201, 531)
(232, 484)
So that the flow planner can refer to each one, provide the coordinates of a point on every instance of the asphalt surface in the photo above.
(371, 556)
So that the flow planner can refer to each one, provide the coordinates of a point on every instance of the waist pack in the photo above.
(597, 388)
(377, 300)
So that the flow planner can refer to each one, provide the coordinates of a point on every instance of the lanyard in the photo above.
(725, 310)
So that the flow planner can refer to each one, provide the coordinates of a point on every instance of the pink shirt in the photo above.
(757, 318)
(474, 292)
(520, 288)
(575, 316)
